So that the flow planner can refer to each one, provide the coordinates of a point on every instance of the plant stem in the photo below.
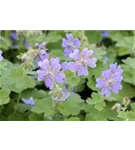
(19, 96)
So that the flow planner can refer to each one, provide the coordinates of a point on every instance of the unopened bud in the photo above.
(126, 101)
(117, 107)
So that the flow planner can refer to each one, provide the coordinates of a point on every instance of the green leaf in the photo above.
(35, 117)
(96, 100)
(72, 119)
(91, 83)
(117, 35)
(98, 70)
(58, 53)
(71, 106)
(3, 117)
(130, 62)
(16, 117)
(16, 80)
(22, 107)
(123, 51)
(4, 96)
(122, 115)
(53, 37)
(36, 94)
(131, 116)
(128, 75)
(4, 43)
(133, 106)
(43, 106)
(1, 108)
(71, 77)
(126, 42)
(93, 36)
(95, 115)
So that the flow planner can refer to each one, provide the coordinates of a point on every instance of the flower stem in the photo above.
(19, 96)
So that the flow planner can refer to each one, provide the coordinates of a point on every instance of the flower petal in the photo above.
(68, 51)
(54, 60)
(59, 77)
(75, 55)
(73, 66)
(56, 67)
(65, 66)
(41, 75)
(69, 36)
(44, 65)
(113, 67)
(76, 42)
(49, 83)
(82, 71)
(64, 43)
(100, 83)
(106, 91)
(116, 87)
(91, 62)
(86, 53)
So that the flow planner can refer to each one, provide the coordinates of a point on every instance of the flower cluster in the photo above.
(70, 44)
(110, 80)
(83, 59)
(1, 57)
(50, 72)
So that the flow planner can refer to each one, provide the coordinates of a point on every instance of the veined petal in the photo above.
(68, 51)
(44, 65)
(56, 67)
(49, 83)
(69, 36)
(106, 91)
(73, 66)
(116, 87)
(100, 83)
(59, 77)
(41, 75)
(64, 43)
(76, 42)
(86, 53)
(82, 71)
(91, 62)
(75, 55)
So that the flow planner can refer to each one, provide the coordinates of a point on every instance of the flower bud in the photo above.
(117, 107)
(126, 101)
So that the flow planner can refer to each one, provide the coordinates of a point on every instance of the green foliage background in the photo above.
(87, 104)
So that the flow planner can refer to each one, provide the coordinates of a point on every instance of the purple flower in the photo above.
(110, 80)
(1, 57)
(82, 60)
(50, 72)
(70, 44)
(42, 55)
(25, 42)
(61, 95)
(105, 34)
(23, 59)
(29, 101)
(65, 66)
(41, 46)
(15, 46)
(14, 36)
